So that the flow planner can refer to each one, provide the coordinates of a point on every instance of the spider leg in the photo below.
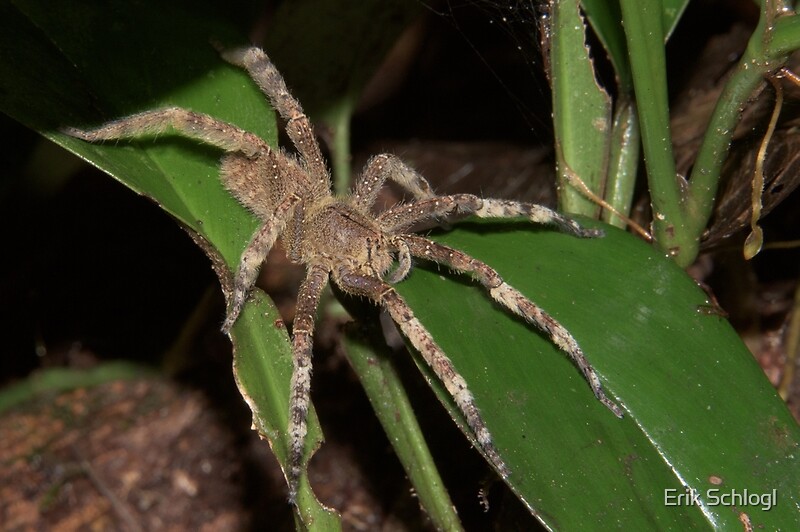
(385, 167)
(494, 208)
(384, 295)
(515, 301)
(253, 257)
(401, 217)
(302, 338)
(298, 126)
(194, 125)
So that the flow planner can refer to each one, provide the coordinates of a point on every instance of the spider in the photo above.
(339, 239)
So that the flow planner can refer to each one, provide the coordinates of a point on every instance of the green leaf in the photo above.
(262, 366)
(81, 65)
(698, 408)
(671, 12)
(623, 163)
(785, 36)
(581, 112)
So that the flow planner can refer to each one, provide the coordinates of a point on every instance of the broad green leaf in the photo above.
(84, 64)
(700, 414)
(262, 366)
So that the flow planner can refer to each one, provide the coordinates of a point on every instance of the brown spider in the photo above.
(339, 238)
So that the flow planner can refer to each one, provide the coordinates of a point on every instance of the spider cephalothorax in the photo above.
(341, 240)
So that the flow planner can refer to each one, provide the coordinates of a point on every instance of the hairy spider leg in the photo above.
(232, 139)
(387, 297)
(194, 125)
(403, 216)
(242, 171)
(302, 343)
(510, 298)
(298, 127)
(387, 167)
(496, 208)
(254, 256)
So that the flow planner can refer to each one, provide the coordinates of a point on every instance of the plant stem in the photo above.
(340, 149)
(681, 210)
(757, 62)
(388, 397)
(644, 34)
(623, 160)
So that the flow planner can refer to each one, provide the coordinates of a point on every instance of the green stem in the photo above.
(390, 402)
(644, 35)
(623, 160)
(340, 150)
(681, 210)
(717, 140)
(757, 62)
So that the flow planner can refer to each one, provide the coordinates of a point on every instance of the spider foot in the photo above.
(293, 481)
(592, 233)
(234, 309)
(572, 227)
(494, 208)
(611, 405)
(494, 458)
(594, 380)
(76, 133)
(298, 412)
(597, 388)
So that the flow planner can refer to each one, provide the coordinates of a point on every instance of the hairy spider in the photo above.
(339, 238)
